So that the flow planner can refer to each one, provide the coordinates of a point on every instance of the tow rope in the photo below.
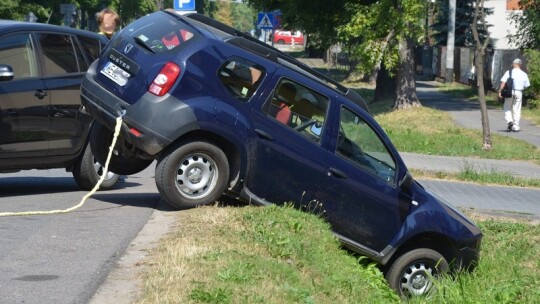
(83, 200)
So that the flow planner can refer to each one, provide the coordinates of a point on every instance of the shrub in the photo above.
(533, 69)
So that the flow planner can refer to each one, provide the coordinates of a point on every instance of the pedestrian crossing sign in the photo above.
(265, 21)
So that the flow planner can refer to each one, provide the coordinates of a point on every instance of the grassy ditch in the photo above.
(281, 255)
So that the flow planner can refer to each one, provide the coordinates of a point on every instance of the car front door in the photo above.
(288, 158)
(359, 193)
(24, 100)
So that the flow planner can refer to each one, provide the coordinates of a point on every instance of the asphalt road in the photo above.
(65, 258)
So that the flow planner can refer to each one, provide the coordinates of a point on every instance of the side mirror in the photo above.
(6, 72)
(406, 182)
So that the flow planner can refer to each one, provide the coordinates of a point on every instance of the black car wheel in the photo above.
(120, 163)
(412, 274)
(87, 171)
(191, 174)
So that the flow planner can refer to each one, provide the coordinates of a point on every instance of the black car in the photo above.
(41, 126)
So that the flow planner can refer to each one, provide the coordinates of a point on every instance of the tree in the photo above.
(480, 51)
(528, 25)
(464, 17)
(378, 33)
(382, 36)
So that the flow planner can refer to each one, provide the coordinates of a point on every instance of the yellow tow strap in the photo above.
(83, 200)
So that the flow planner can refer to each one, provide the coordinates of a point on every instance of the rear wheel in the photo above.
(412, 274)
(191, 174)
(87, 171)
(280, 41)
(121, 162)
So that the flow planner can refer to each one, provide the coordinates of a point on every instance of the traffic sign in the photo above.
(184, 5)
(265, 21)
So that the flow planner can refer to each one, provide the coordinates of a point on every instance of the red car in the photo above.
(288, 37)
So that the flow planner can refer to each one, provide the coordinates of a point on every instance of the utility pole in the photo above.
(450, 41)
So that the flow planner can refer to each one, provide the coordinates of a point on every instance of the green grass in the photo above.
(428, 131)
(508, 272)
(480, 177)
(257, 255)
(281, 255)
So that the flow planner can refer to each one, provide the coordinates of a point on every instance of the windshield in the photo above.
(160, 32)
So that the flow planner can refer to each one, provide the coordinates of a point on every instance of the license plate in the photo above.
(115, 73)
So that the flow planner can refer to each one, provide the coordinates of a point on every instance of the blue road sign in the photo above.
(184, 5)
(265, 21)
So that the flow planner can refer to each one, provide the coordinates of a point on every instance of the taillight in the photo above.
(165, 79)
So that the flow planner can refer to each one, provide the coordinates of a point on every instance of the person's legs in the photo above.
(516, 110)
(507, 107)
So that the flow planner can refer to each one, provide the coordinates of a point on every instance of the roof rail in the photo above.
(273, 54)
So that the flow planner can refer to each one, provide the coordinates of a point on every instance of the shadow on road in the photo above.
(32, 185)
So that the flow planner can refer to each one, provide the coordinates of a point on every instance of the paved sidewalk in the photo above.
(467, 114)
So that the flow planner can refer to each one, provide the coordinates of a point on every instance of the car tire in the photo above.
(280, 41)
(192, 173)
(100, 141)
(87, 171)
(412, 273)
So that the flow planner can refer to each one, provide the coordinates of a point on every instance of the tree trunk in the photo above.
(486, 135)
(479, 67)
(385, 85)
(406, 86)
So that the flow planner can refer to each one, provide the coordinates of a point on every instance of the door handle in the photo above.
(263, 134)
(337, 173)
(40, 94)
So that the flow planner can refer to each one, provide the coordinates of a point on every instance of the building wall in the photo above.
(501, 25)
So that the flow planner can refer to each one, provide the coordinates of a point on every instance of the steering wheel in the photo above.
(301, 127)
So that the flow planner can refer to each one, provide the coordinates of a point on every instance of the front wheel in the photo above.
(412, 274)
(191, 174)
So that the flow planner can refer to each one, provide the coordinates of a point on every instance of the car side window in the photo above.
(359, 143)
(300, 108)
(18, 52)
(241, 77)
(59, 54)
(91, 47)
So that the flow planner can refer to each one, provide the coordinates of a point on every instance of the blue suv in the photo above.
(223, 113)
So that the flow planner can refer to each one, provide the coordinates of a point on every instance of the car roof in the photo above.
(12, 25)
(233, 36)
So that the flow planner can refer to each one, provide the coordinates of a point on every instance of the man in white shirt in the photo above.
(512, 105)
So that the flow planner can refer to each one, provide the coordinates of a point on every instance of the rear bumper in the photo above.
(159, 120)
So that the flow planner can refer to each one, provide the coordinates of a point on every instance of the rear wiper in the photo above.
(143, 44)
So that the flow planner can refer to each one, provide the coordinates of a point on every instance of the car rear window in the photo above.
(161, 33)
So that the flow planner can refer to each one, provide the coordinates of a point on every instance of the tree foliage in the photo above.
(463, 36)
(528, 25)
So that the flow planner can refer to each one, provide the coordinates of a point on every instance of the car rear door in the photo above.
(288, 158)
(24, 100)
(64, 67)
(359, 193)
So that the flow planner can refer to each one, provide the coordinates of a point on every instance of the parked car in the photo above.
(223, 112)
(288, 37)
(41, 127)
